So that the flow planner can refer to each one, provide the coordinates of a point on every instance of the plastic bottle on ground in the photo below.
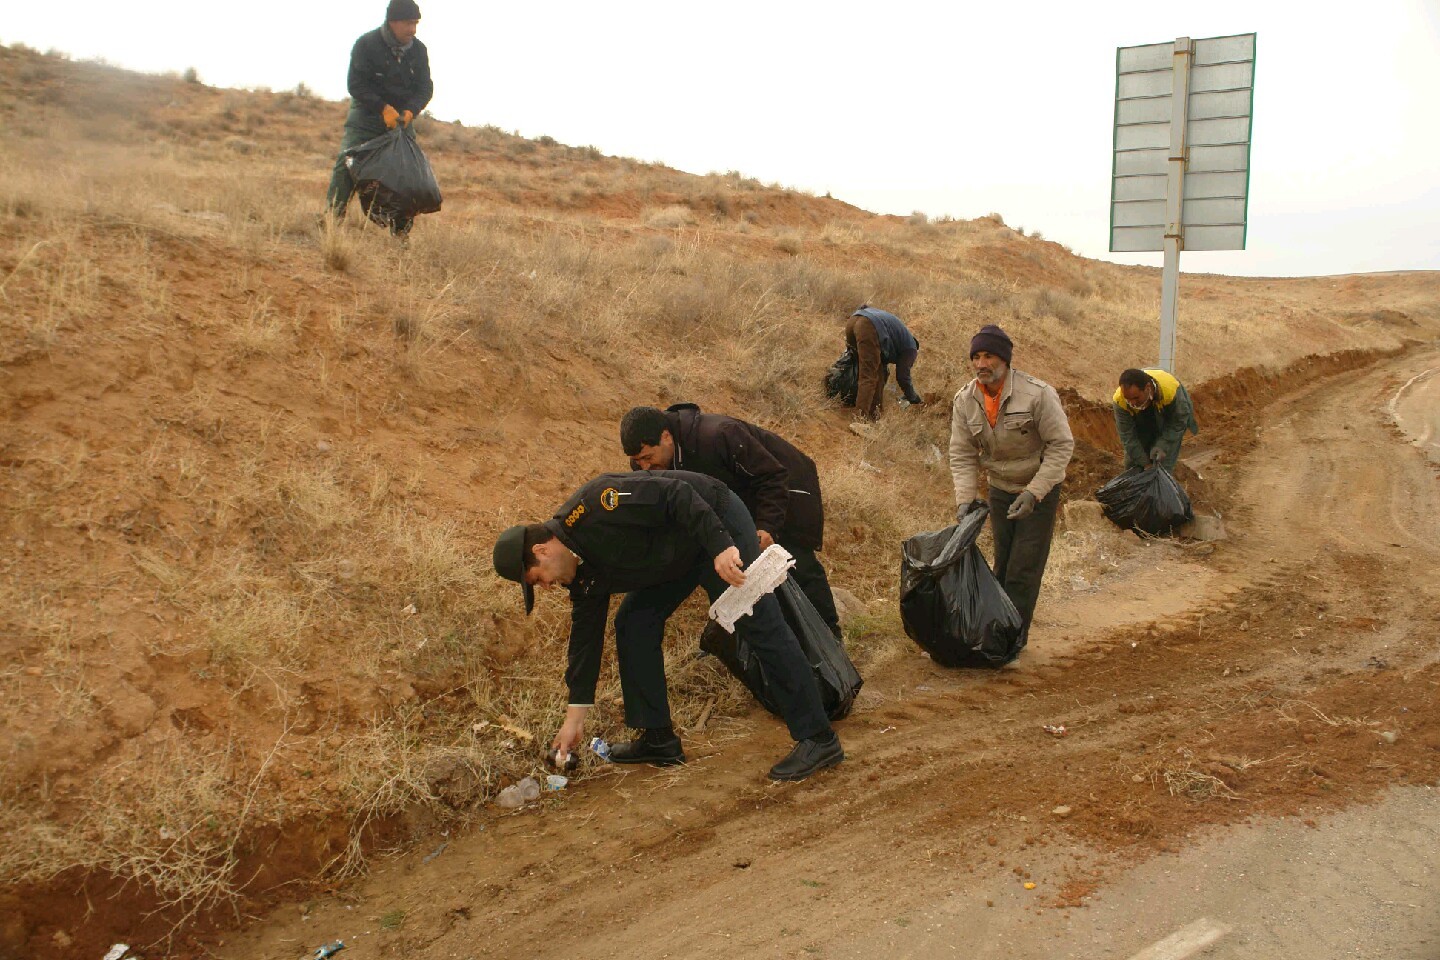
(529, 789)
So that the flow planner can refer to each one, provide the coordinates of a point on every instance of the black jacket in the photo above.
(631, 530)
(777, 483)
(378, 77)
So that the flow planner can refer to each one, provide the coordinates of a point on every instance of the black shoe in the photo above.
(809, 756)
(657, 748)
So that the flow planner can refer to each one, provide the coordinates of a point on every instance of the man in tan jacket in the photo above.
(1014, 426)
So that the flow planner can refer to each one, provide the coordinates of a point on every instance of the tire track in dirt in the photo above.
(1269, 697)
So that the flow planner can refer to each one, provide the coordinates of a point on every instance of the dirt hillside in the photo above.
(253, 467)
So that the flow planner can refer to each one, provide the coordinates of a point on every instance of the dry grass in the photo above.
(1186, 780)
(172, 824)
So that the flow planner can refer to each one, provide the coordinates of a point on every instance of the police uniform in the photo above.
(653, 537)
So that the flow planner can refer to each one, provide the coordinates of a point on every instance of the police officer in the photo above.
(655, 537)
(778, 484)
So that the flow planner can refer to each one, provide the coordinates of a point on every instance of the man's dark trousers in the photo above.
(359, 127)
(1022, 547)
(1148, 427)
(640, 631)
(810, 577)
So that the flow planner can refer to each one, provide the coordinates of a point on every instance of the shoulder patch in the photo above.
(610, 498)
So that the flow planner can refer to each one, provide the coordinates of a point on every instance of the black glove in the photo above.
(962, 512)
(1022, 507)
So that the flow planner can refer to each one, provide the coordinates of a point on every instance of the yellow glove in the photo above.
(390, 115)
(406, 117)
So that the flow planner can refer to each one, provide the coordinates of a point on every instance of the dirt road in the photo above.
(1248, 775)
(1416, 409)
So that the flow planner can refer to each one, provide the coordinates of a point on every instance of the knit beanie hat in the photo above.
(994, 341)
(402, 10)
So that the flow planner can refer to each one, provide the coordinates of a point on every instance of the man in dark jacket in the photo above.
(389, 84)
(655, 537)
(777, 483)
(1152, 413)
(879, 338)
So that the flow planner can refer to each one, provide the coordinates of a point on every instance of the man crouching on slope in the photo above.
(655, 537)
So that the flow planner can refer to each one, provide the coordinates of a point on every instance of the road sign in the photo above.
(1180, 178)
(1213, 120)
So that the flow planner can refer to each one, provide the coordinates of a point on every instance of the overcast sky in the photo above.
(896, 106)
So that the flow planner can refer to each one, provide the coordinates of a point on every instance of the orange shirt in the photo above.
(992, 402)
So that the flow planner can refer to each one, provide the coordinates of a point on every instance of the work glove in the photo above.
(406, 116)
(391, 116)
(1157, 457)
(964, 511)
(1023, 506)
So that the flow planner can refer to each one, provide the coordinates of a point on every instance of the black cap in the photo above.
(509, 561)
(402, 10)
(993, 341)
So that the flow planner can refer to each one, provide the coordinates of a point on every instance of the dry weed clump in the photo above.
(672, 217)
(172, 823)
(399, 766)
(261, 331)
(337, 249)
(1187, 780)
(54, 285)
(49, 646)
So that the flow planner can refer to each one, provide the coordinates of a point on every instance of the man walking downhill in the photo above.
(389, 84)
(655, 537)
(1152, 413)
(778, 484)
(879, 338)
(1013, 426)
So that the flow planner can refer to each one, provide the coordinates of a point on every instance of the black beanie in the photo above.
(994, 341)
(402, 10)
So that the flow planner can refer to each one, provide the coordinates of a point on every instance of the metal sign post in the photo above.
(1181, 174)
(1174, 202)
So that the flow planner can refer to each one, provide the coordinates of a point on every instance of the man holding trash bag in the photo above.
(655, 537)
(389, 85)
(1152, 413)
(1013, 426)
(778, 484)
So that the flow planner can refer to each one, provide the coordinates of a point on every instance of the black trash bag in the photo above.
(392, 178)
(839, 681)
(842, 381)
(836, 676)
(950, 602)
(1150, 501)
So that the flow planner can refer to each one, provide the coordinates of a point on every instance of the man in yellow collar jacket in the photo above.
(1152, 413)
